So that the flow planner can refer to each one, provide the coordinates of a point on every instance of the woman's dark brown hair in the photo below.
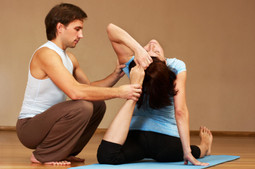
(63, 13)
(158, 85)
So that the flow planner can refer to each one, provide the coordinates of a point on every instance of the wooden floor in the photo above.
(14, 155)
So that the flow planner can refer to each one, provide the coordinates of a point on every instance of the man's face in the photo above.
(154, 49)
(72, 33)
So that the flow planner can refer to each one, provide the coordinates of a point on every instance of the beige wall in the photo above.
(215, 38)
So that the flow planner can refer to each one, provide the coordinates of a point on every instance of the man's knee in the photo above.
(82, 109)
(99, 107)
(85, 110)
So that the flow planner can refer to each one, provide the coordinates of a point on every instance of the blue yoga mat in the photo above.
(212, 160)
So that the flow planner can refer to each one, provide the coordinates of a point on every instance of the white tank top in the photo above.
(41, 94)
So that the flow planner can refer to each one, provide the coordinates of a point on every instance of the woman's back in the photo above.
(159, 118)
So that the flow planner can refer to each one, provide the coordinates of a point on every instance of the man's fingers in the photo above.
(122, 66)
(136, 92)
(137, 86)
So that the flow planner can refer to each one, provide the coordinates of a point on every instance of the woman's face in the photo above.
(154, 49)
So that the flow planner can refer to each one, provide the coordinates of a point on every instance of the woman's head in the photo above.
(154, 49)
(158, 85)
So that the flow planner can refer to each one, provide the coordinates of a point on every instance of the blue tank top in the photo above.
(41, 94)
(157, 120)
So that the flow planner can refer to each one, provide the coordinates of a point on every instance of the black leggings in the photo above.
(143, 144)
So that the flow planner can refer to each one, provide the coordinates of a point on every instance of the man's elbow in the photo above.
(73, 95)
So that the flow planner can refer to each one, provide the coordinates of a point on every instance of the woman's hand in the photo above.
(189, 158)
(137, 75)
(142, 58)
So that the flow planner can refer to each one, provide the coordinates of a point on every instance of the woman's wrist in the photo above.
(187, 152)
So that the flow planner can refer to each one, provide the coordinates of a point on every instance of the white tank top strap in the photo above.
(41, 94)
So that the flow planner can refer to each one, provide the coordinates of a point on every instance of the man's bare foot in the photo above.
(206, 138)
(64, 163)
(34, 160)
(75, 159)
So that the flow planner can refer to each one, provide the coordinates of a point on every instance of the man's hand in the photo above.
(142, 58)
(118, 70)
(132, 91)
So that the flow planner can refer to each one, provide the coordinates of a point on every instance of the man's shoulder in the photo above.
(44, 51)
(45, 55)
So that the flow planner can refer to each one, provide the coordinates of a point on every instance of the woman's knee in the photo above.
(109, 153)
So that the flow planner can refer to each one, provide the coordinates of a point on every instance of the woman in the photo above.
(159, 127)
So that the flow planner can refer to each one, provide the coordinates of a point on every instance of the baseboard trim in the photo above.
(192, 133)
(7, 128)
(215, 133)
(227, 133)
(101, 130)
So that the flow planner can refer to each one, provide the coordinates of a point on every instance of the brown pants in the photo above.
(61, 131)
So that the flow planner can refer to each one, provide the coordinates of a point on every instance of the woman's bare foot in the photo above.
(64, 163)
(206, 139)
(75, 159)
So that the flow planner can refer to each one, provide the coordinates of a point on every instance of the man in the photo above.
(58, 129)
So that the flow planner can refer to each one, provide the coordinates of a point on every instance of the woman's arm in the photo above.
(182, 118)
(118, 130)
(125, 47)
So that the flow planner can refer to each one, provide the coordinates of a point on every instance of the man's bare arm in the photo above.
(51, 64)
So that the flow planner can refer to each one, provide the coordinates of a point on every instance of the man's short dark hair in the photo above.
(63, 13)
